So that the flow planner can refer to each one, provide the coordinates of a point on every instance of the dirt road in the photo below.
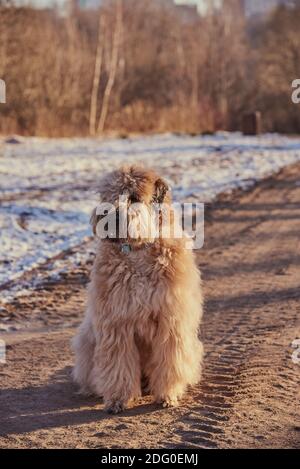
(249, 395)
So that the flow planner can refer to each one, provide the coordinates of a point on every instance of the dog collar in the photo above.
(126, 248)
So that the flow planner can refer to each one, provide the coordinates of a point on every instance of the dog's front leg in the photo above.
(166, 379)
(116, 374)
(175, 363)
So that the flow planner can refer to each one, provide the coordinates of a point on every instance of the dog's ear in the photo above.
(94, 220)
(160, 190)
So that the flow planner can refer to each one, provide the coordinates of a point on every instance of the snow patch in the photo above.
(49, 187)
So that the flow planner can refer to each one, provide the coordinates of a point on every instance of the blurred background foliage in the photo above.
(147, 66)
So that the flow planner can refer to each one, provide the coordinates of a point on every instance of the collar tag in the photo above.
(126, 248)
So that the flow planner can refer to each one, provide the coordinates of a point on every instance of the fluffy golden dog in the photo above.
(144, 302)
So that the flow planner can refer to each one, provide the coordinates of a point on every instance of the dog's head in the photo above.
(128, 197)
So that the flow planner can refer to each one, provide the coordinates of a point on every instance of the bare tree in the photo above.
(112, 67)
(97, 74)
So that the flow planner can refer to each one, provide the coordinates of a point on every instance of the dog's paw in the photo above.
(168, 401)
(115, 407)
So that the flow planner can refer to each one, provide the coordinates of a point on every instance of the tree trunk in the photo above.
(113, 66)
(97, 74)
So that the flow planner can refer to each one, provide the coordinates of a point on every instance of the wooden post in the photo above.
(251, 124)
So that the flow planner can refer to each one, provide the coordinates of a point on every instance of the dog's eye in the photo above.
(134, 198)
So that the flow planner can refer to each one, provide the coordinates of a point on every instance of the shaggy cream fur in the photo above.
(144, 308)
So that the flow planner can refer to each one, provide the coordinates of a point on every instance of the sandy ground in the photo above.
(249, 394)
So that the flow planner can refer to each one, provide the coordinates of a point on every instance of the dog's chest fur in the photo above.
(132, 285)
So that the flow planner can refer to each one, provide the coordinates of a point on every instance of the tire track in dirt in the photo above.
(233, 368)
